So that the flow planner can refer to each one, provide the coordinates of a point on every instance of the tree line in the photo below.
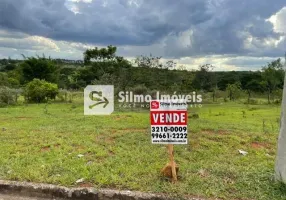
(41, 75)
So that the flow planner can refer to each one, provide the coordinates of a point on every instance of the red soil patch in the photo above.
(257, 145)
(45, 148)
(85, 185)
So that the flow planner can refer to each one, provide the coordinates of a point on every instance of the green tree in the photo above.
(204, 78)
(100, 55)
(40, 68)
(149, 61)
(40, 91)
(234, 91)
(273, 75)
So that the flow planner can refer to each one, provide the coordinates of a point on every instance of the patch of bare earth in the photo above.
(259, 145)
(46, 148)
(86, 185)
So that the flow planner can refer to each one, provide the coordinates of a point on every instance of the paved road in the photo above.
(10, 197)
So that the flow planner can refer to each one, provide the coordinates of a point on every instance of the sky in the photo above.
(229, 34)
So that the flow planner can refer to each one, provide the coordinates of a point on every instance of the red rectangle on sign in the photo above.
(168, 117)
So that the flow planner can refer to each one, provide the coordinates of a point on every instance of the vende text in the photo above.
(168, 117)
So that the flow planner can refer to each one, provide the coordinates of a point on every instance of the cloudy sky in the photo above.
(230, 34)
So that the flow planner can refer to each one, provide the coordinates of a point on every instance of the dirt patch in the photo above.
(46, 148)
(113, 131)
(259, 145)
(109, 140)
(85, 185)
(208, 132)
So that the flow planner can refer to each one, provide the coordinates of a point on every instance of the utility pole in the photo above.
(280, 166)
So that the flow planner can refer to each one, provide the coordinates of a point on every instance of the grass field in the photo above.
(42, 143)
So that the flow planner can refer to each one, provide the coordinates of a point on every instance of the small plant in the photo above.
(63, 95)
(243, 114)
(46, 109)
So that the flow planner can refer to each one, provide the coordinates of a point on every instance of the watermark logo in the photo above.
(98, 100)
(155, 104)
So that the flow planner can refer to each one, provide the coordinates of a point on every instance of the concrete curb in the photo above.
(52, 191)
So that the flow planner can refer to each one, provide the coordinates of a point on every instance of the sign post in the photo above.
(169, 126)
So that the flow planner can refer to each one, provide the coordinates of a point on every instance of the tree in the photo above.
(204, 78)
(225, 78)
(39, 68)
(170, 64)
(280, 165)
(39, 91)
(149, 61)
(251, 86)
(99, 55)
(272, 76)
(233, 90)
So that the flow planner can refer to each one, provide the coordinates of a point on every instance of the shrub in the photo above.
(40, 91)
(7, 95)
(63, 95)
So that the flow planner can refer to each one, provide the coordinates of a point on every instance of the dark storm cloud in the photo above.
(217, 26)
(226, 32)
(117, 23)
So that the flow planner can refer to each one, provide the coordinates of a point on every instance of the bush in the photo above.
(63, 95)
(7, 95)
(40, 91)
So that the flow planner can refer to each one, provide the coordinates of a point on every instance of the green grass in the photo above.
(42, 145)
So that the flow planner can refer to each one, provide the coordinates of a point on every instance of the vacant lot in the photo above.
(56, 143)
